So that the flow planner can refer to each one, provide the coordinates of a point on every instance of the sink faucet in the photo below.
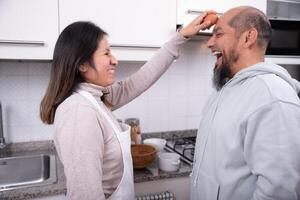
(2, 139)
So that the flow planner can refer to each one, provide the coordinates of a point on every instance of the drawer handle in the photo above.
(26, 42)
(135, 46)
(198, 12)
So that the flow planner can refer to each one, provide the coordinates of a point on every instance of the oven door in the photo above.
(285, 39)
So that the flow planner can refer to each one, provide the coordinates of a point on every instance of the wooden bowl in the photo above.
(142, 155)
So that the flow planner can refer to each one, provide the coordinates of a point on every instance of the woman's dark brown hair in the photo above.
(75, 46)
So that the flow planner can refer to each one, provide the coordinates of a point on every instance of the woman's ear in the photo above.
(83, 68)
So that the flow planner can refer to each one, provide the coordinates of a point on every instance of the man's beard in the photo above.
(223, 73)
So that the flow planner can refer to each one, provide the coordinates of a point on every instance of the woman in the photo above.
(93, 147)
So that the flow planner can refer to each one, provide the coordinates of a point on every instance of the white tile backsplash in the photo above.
(178, 85)
(174, 102)
(178, 106)
(14, 68)
(14, 87)
(195, 105)
(178, 123)
(37, 86)
(160, 89)
(18, 113)
(39, 69)
(155, 124)
(157, 107)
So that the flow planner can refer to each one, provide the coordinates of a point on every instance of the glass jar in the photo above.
(135, 131)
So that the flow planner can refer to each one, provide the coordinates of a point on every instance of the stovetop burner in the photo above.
(184, 147)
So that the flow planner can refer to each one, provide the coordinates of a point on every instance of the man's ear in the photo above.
(83, 68)
(250, 37)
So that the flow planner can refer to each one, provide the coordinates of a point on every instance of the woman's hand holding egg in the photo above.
(211, 19)
(202, 22)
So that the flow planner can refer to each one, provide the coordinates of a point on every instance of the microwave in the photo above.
(285, 40)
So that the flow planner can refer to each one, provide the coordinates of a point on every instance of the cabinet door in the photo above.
(29, 28)
(220, 6)
(132, 22)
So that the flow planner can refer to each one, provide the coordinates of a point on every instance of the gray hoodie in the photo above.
(267, 68)
(248, 142)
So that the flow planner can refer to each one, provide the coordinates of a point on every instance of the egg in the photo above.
(213, 18)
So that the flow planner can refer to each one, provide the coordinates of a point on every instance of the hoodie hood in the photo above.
(265, 68)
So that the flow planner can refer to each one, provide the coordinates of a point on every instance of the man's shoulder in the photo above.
(277, 88)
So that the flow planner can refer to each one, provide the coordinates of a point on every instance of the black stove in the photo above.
(185, 147)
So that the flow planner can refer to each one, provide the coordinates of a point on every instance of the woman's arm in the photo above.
(123, 92)
(80, 145)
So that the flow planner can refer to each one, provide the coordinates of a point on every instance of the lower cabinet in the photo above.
(180, 187)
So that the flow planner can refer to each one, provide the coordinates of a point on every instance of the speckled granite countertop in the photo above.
(47, 147)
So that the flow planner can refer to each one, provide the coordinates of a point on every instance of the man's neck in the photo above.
(245, 62)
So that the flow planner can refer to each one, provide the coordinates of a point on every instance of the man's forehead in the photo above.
(230, 14)
(221, 24)
(225, 19)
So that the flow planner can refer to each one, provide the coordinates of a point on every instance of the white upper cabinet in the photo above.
(184, 7)
(29, 28)
(132, 25)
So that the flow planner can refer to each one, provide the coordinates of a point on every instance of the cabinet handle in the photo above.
(198, 12)
(27, 42)
(286, 1)
(135, 46)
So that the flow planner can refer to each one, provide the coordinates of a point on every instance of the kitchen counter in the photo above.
(149, 173)
(152, 173)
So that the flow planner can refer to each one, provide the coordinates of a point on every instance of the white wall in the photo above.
(173, 103)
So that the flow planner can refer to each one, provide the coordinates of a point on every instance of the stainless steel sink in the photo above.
(27, 171)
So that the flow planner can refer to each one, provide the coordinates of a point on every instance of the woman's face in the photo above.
(102, 69)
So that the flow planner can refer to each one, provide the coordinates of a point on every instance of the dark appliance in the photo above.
(284, 17)
(285, 39)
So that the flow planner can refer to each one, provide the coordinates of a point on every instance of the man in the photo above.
(248, 143)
